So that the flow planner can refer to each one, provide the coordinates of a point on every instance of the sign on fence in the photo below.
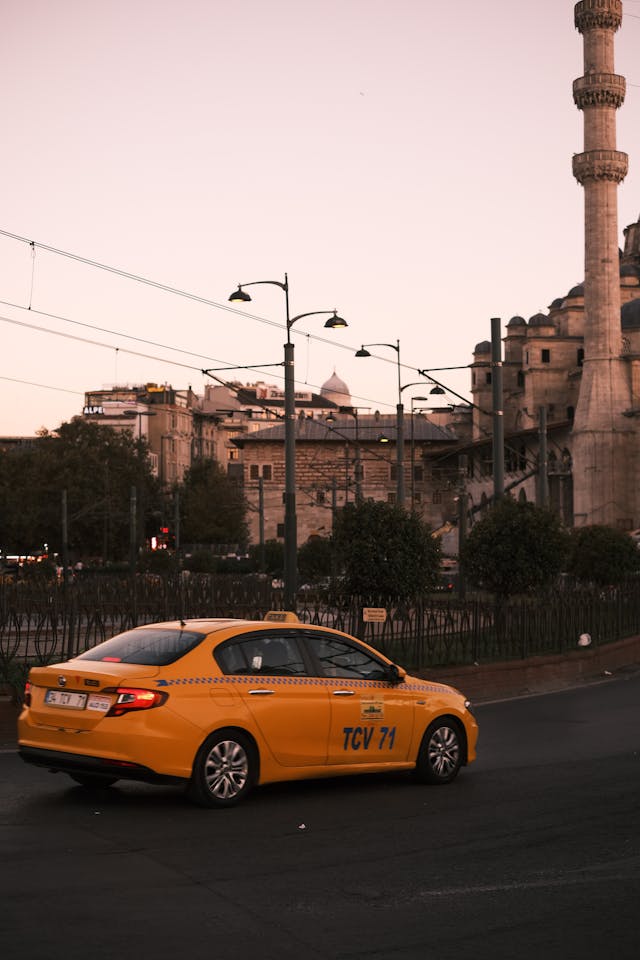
(374, 614)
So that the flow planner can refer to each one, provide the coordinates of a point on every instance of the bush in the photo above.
(315, 560)
(386, 553)
(601, 555)
(202, 561)
(516, 548)
(157, 561)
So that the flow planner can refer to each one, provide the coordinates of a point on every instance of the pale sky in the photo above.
(407, 162)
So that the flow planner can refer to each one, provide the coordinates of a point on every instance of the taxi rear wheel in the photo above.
(225, 769)
(441, 753)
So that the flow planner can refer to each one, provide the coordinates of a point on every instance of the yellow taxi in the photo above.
(224, 705)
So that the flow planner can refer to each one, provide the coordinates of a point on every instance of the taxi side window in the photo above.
(340, 659)
(275, 655)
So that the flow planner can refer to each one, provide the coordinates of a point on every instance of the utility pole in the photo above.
(462, 519)
(133, 530)
(261, 523)
(543, 460)
(65, 540)
(498, 413)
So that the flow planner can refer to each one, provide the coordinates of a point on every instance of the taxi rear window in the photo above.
(147, 646)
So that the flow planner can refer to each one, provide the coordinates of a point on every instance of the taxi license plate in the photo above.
(99, 703)
(65, 698)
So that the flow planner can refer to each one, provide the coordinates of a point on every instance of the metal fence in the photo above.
(43, 622)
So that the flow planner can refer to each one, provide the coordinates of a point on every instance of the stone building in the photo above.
(341, 458)
(157, 413)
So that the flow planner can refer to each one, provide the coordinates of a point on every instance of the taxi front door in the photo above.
(371, 722)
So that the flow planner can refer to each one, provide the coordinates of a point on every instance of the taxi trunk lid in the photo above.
(78, 694)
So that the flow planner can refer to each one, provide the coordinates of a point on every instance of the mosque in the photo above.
(575, 371)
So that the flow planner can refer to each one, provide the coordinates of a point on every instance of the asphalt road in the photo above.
(533, 852)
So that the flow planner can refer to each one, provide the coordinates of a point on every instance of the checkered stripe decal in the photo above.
(298, 682)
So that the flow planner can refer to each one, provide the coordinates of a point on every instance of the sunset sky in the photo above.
(407, 162)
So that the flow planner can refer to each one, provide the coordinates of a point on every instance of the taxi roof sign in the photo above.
(281, 616)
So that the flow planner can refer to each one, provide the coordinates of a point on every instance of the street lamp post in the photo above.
(362, 352)
(290, 520)
(412, 458)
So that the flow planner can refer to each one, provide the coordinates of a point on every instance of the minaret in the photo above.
(602, 436)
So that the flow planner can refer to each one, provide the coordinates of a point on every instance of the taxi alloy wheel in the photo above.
(440, 755)
(225, 769)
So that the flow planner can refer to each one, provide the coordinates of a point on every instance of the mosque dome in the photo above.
(540, 320)
(630, 315)
(483, 347)
(630, 270)
(577, 291)
(557, 303)
(336, 390)
(517, 322)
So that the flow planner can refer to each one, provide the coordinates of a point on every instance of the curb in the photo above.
(545, 674)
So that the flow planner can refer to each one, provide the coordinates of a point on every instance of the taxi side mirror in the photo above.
(396, 674)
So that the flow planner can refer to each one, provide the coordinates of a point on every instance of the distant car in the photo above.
(445, 584)
(224, 705)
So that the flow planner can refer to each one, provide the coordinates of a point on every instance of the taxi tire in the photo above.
(441, 752)
(222, 744)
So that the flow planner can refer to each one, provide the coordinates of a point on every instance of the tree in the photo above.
(315, 559)
(212, 506)
(273, 554)
(385, 552)
(602, 555)
(515, 548)
(97, 467)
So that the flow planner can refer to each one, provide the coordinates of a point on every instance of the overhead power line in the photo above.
(45, 386)
(175, 291)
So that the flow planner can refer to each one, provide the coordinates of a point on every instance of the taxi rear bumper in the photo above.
(58, 761)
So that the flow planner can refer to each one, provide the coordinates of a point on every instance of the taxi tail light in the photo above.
(129, 699)
(26, 697)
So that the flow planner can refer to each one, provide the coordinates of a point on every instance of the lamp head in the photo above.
(330, 418)
(239, 296)
(437, 390)
(383, 438)
(362, 352)
(335, 322)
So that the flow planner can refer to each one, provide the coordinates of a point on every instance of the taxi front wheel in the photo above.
(225, 769)
(440, 754)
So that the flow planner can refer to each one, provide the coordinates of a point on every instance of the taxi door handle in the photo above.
(261, 693)
(343, 693)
